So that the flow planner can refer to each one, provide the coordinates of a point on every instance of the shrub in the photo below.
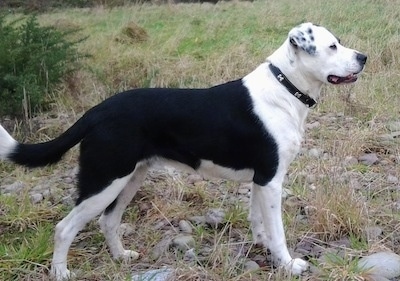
(33, 61)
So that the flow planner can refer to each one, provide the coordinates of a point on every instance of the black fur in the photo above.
(184, 125)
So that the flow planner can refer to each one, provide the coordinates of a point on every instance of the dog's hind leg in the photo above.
(267, 200)
(68, 228)
(111, 217)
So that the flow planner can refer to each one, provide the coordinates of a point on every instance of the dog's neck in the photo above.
(285, 59)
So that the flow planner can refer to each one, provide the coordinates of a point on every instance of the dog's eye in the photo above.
(333, 47)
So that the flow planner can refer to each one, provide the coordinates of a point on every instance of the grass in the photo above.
(198, 45)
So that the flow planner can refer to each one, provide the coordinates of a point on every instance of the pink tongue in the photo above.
(335, 79)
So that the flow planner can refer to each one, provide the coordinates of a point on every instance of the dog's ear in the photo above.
(304, 42)
(293, 42)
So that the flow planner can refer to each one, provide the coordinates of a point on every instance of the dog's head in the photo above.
(319, 53)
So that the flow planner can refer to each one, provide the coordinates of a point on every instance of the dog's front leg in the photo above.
(267, 201)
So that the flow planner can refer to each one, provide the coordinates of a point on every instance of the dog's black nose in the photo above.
(361, 58)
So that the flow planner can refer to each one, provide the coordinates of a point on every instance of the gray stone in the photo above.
(161, 247)
(392, 179)
(36, 198)
(315, 152)
(183, 242)
(373, 233)
(394, 126)
(384, 264)
(350, 161)
(312, 125)
(163, 274)
(197, 219)
(215, 217)
(185, 226)
(368, 159)
(251, 266)
(190, 256)
(126, 229)
(15, 187)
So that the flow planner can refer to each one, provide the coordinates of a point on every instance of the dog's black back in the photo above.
(183, 125)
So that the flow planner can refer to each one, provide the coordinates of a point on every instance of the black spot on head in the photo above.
(303, 39)
(309, 30)
(312, 38)
(311, 49)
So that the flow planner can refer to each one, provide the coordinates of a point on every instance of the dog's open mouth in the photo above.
(341, 80)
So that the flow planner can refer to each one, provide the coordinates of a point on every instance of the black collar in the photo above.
(306, 99)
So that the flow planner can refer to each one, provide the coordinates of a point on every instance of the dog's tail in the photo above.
(41, 154)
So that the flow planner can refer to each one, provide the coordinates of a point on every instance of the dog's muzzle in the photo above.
(333, 79)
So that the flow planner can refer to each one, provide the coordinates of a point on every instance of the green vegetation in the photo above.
(33, 61)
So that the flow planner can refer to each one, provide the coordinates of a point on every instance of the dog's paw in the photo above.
(297, 266)
(61, 275)
(128, 255)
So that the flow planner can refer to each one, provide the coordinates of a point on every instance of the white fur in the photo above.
(284, 117)
(67, 229)
(7, 143)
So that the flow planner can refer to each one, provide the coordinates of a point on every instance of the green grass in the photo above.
(199, 45)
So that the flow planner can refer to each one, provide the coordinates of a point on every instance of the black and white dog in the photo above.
(247, 130)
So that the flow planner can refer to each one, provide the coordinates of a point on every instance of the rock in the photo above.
(394, 126)
(197, 219)
(384, 264)
(315, 152)
(163, 274)
(194, 178)
(36, 198)
(251, 266)
(373, 233)
(312, 125)
(392, 179)
(183, 242)
(190, 255)
(350, 161)
(160, 248)
(126, 229)
(185, 226)
(215, 217)
(15, 187)
(368, 159)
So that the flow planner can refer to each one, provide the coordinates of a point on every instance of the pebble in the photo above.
(350, 161)
(163, 274)
(373, 233)
(160, 248)
(190, 256)
(315, 152)
(183, 242)
(251, 266)
(185, 226)
(126, 229)
(394, 126)
(384, 264)
(313, 125)
(215, 217)
(36, 198)
(392, 179)
(15, 187)
(368, 159)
